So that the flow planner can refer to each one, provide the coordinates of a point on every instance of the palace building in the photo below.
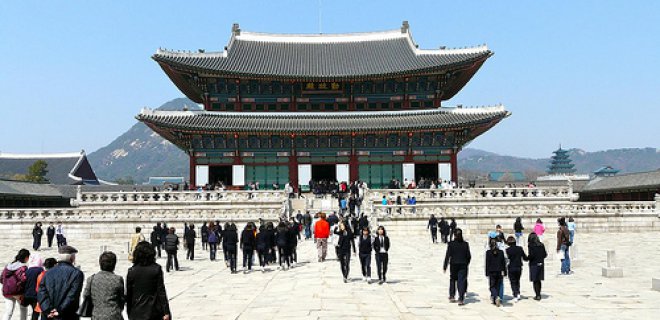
(281, 108)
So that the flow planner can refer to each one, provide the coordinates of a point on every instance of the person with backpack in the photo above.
(212, 239)
(13, 280)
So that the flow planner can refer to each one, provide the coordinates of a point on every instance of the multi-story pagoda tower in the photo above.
(560, 163)
(281, 108)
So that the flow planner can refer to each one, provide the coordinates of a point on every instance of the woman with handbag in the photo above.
(103, 298)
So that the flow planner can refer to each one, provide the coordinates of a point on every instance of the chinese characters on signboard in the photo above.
(322, 86)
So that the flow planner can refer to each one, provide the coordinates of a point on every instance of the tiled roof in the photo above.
(640, 180)
(323, 56)
(28, 189)
(318, 122)
(63, 168)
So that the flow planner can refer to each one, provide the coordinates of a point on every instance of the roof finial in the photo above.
(405, 26)
(236, 29)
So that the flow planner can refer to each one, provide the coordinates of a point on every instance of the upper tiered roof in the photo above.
(322, 56)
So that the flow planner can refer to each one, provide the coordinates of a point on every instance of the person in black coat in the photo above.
(381, 247)
(155, 239)
(444, 229)
(164, 231)
(365, 246)
(271, 245)
(204, 232)
(452, 228)
(171, 248)
(537, 255)
(282, 242)
(230, 241)
(346, 240)
(248, 244)
(433, 225)
(262, 247)
(223, 234)
(37, 234)
(50, 234)
(146, 298)
(516, 255)
(190, 235)
(458, 258)
(495, 270)
(292, 242)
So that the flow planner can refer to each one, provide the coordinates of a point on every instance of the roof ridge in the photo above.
(4, 155)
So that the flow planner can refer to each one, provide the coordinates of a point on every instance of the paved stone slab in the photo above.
(418, 289)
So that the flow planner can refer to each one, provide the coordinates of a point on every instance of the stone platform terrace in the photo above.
(417, 288)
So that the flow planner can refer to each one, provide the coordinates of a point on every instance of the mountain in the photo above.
(477, 162)
(140, 153)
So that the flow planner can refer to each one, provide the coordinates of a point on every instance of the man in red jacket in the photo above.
(321, 234)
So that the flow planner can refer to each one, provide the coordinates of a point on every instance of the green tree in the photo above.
(125, 180)
(37, 172)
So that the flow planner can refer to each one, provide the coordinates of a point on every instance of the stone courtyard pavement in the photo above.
(417, 288)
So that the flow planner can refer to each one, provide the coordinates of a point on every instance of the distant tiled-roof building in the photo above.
(19, 194)
(640, 186)
(63, 168)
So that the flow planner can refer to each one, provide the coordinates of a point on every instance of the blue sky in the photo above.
(73, 74)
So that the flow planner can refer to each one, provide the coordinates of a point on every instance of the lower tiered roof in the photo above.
(324, 123)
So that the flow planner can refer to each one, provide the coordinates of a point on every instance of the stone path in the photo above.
(417, 288)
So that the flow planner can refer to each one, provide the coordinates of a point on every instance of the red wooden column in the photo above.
(193, 172)
(353, 167)
(293, 165)
(454, 166)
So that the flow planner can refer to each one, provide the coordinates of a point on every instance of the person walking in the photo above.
(444, 229)
(223, 237)
(189, 237)
(212, 239)
(50, 234)
(344, 242)
(231, 241)
(146, 297)
(204, 232)
(516, 255)
(539, 229)
(106, 289)
(365, 246)
(37, 234)
(13, 280)
(452, 227)
(248, 244)
(35, 268)
(262, 247)
(381, 248)
(136, 238)
(292, 242)
(321, 234)
(307, 223)
(458, 258)
(282, 242)
(563, 243)
(60, 288)
(518, 230)
(571, 229)
(433, 225)
(495, 271)
(537, 255)
(59, 234)
(155, 240)
(171, 248)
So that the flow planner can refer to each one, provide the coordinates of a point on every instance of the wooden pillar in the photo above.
(293, 165)
(454, 166)
(193, 172)
(353, 168)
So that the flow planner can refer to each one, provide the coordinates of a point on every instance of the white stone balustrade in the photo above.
(476, 194)
(171, 197)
